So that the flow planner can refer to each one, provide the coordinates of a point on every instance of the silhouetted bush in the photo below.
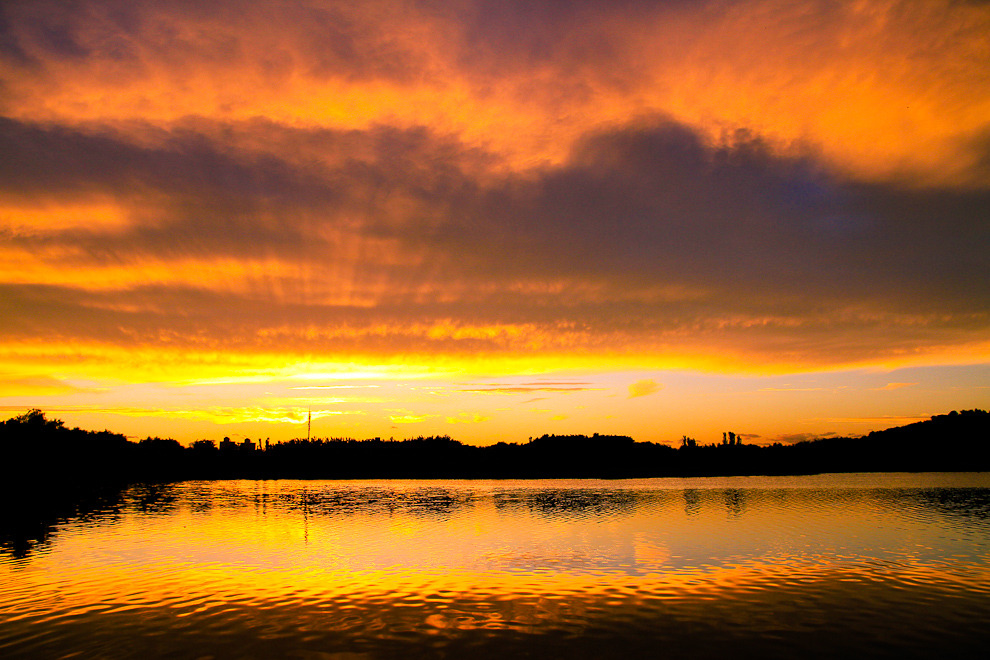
(37, 448)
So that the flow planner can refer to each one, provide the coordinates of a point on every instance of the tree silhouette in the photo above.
(35, 447)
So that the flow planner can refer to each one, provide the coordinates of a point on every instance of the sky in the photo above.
(494, 219)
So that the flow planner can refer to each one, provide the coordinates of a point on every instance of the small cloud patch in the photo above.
(644, 387)
(465, 418)
(893, 386)
(407, 417)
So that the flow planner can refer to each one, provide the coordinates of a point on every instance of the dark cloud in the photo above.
(794, 438)
(55, 160)
(570, 35)
(648, 236)
(654, 204)
(329, 39)
(45, 29)
(193, 194)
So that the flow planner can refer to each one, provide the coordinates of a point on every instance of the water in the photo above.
(875, 566)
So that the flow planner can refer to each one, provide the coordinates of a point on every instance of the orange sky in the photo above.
(764, 216)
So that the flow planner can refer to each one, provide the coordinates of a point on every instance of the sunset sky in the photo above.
(494, 219)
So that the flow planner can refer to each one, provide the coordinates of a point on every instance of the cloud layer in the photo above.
(732, 184)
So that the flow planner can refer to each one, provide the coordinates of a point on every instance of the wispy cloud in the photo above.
(793, 438)
(644, 388)
(468, 418)
(797, 389)
(39, 385)
(215, 414)
(334, 387)
(408, 417)
(880, 421)
(893, 386)
(562, 387)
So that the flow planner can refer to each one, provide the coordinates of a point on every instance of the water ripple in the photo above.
(701, 568)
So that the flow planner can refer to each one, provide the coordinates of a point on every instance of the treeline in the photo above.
(44, 452)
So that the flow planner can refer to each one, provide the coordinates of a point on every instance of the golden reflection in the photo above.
(461, 555)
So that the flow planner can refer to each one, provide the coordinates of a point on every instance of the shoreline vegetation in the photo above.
(35, 447)
(50, 473)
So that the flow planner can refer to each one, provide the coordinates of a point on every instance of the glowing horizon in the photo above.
(776, 206)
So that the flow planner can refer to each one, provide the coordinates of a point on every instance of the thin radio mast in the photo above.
(309, 422)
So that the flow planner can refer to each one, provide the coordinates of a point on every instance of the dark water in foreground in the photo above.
(868, 566)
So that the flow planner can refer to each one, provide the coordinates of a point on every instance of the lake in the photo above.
(865, 565)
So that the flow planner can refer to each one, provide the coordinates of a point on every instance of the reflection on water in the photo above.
(817, 566)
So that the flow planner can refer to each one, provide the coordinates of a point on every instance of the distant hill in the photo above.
(958, 441)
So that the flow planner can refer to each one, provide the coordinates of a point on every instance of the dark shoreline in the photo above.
(36, 448)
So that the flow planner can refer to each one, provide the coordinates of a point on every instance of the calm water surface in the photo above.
(863, 565)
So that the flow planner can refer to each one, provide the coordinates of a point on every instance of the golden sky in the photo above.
(410, 216)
